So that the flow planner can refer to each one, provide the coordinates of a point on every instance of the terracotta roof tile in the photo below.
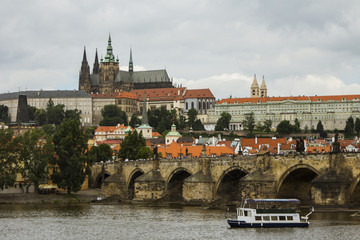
(300, 98)
(198, 93)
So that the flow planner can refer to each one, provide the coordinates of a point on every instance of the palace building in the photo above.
(107, 77)
(332, 111)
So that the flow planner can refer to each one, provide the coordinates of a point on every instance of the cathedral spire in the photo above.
(131, 65)
(84, 75)
(96, 64)
(84, 56)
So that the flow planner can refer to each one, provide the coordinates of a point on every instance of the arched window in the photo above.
(192, 104)
(187, 106)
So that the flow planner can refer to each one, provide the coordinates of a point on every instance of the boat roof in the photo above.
(271, 200)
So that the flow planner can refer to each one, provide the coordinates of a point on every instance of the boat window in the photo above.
(290, 218)
(282, 218)
(257, 218)
(274, 218)
(245, 213)
(266, 218)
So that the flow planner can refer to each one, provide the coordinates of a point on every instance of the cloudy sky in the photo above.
(301, 47)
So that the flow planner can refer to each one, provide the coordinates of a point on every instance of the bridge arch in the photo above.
(99, 179)
(354, 192)
(130, 186)
(174, 184)
(228, 185)
(295, 182)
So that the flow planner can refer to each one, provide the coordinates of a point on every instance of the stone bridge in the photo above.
(320, 180)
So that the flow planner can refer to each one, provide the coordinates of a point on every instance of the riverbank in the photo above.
(85, 196)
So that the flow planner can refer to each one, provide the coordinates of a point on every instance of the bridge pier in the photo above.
(258, 184)
(330, 189)
(199, 188)
(150, 186)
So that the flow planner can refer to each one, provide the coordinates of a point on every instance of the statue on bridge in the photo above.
(300, 145)
(336, 144)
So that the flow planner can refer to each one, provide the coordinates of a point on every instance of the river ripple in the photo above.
(86, 221)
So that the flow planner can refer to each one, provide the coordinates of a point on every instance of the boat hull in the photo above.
(243, 224)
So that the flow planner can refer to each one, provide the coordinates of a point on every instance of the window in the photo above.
(187, 106)
(257, 218)
(282, 218)
(289, 218)
(274, 218)
(266, 218)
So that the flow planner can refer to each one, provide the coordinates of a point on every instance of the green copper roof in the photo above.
(109, 52)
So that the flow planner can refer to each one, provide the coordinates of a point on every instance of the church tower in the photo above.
(109, 68)
(254, 92)
(84, 75)
(263, 89)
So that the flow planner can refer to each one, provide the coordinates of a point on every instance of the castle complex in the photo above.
(107, 77)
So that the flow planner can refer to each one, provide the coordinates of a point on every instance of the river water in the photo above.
(91, 221)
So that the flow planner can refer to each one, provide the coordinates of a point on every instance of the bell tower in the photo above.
(254, 92)
(263, 89)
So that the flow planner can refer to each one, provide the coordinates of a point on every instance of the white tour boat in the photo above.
(269, 213)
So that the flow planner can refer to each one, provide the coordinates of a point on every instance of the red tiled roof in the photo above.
(300, 98)
(198, 93)
(156, 134)
(112, 141)
(159, 93)
(124, 94)
(105, 129)
(195, 151)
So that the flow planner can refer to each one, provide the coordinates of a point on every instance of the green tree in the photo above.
(249, 123)
(144, 152)
(357, 126)
(161, 119)
(198, 126)
(134, 121)
(112, 115)
(35, 154)
(267, 125)
(192, 115)
(182, 122)
(306, 129)
(349, 127)
(9, 148)
(32, 111)
(73, 114)
(297, 126)
(71, 164)
(319, 127)
(284, 127)
(90, 131)
(223, 122)
(40, 116)
(4, 114)
(54, 114)
(48, 129)
(101, 153)
(130, 147)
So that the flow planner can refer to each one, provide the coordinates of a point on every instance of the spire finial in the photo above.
(131, 65)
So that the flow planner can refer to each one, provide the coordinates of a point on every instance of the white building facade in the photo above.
(332, 111)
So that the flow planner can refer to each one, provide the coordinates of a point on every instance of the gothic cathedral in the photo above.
(108, 78)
